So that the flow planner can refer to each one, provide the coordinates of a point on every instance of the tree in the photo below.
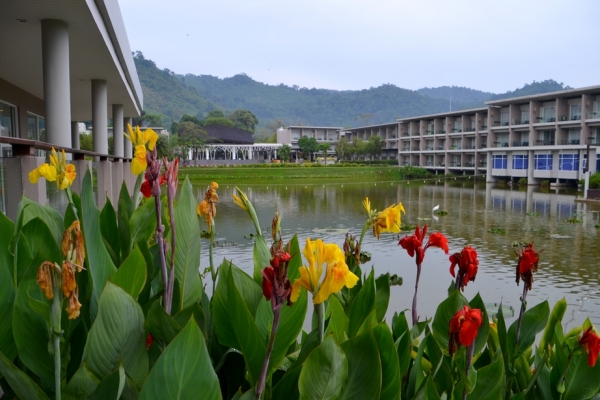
(163, 147)
(243, 119)
(343, 148)
(268, 133)
(222, 121)
(284, 152)
(86, 141)
(215, 114)
(324, 148)
(308, 146)
(192, 136)
(374, 145)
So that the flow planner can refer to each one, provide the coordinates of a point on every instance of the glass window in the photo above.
(499, 161)
(543, 161)
(575, 111)
(504, 118)
(520, 161)
(7, 120)
(525, 116)
(568, 162)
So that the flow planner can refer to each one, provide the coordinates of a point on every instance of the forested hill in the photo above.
(173, 95)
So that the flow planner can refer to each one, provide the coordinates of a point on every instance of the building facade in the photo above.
(322, 134)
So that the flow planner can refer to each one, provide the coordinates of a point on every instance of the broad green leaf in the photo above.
(124, 211)
(195, 311)
(324, 372)
(364, 367)
(160, 324)
(111, 387)
(443, 315)
(143, 222)
(534, 321)
(338, 321)
(100, 265)
(582, 381)
(187, 250)
(261, 256)
(382, 296)
(390, 369)
(416, 375)
(131, 276)
(287, 387)
(290, 326)
(117, 336)
(296, 261)
(8, 291)
(41, 242)
(483, 331)
(555, 319)
(109, 230)
(19, 382)
(41, 308)
(29, 209)
(362, 305)
(81, 385)
(403, 342)
(184, 370)
(524, 375)
(31, 331)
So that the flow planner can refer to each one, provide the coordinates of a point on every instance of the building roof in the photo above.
(547, 96)
(315, 127)
(98, 49)
(371, 126)
(228, 135)
(444, 114)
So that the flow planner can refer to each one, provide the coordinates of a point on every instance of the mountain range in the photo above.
(171, 95)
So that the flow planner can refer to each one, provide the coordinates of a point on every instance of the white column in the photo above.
(75, 134)
(127, 148)
(100, 115)
(117, 117)
(56, 75)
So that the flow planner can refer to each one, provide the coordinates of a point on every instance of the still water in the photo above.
(570, 260)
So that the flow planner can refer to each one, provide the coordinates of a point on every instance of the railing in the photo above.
(26, 148)
(592, 115)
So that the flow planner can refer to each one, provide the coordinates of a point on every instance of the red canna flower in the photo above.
(591, 345)
(437, 239)
(413, 244)
(149, 341)
(467, 266)
(276, 285)
(463, 328)
(527, 265)
(146, 187)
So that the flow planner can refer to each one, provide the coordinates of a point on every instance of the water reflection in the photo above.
(569, 264)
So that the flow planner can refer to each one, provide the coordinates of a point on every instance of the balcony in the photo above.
(575, 117)
(441, 164)
(455, 164)
(592, 115)
(441, 131)
(543, 142)
(470, 164)
(483, 127)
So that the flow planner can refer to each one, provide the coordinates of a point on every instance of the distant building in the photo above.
(323, 134)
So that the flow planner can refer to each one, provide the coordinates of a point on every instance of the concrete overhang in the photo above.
(444, 114)
(388, 124)
(98, 49)
(547, 96)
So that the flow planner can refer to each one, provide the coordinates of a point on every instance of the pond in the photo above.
(487, 217)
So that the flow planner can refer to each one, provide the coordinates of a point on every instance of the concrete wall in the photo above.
(24, 101)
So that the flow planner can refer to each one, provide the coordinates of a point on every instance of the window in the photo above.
(548, 114)
(525, 116)
(520, 161)
(543, 161)
(7, 120)
(499, 161)
(504, 118)
(568, 162)
(575, 111)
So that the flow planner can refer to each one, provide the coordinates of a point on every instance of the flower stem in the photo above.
(56, 334)
(414, 304)
(470, 351)
(213, 272)
(161, 250)
(320, 311)
(136, 191)
(523, 306)
(457, 282)
(171, 278)
(263, 374)
(364, 230)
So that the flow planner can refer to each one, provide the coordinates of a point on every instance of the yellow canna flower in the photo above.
(207, 206)
(367, 205)
(388, 220)
(328, 257)
(57, 171)
(139, 140)
(241, 201)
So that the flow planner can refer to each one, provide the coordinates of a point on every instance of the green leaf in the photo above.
(8, 291)
(582, 381)
(41, 308)
(41, 242)
(390, 368)
(100, 265)
(124, 211)
(416, 375)
(143, 222)
(382, 296)
(483, 331)
(554, 321)
(19, 382)
(184, 370)
(364, 367)
(443, 315)
(117, 337)
(131, 276)
(324, 372)
(290, 326)
(109, 229)
(296, 261)
(29, 209)
(31, 331)
(338, 321)
(187, 251)
(403, 342)
(489, 382)
(362, 305)
(81, 385)
(534, 321)
(261, 256)
(111, 387)
(160, 324)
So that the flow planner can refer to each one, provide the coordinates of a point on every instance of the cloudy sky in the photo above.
(492, 46)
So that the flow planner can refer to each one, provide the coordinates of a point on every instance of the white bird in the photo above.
(435, 208)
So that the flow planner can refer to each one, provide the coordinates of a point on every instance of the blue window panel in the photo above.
(543, 162)
(520, 162)
(499, 162)
(568, 162)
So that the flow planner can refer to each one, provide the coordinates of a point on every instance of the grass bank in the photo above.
(279, 174)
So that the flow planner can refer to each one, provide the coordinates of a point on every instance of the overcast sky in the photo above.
(492, 46)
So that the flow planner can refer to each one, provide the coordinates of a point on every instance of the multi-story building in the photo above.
(323, 134)
(387, 132)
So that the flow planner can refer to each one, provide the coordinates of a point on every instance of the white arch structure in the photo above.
(267, 151)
